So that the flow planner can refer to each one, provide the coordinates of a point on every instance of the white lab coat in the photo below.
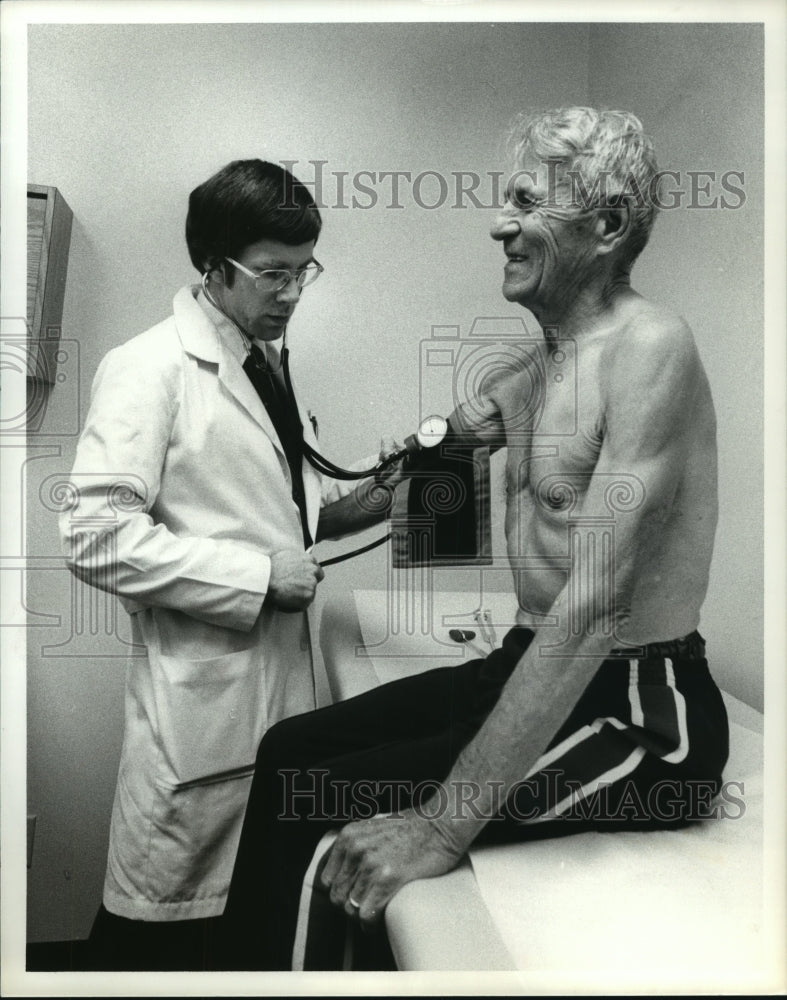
(183, 494)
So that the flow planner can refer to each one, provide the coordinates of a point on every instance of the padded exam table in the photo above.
(667, 909)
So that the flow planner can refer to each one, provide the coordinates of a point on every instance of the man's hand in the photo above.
(372, 859)
(293, 580)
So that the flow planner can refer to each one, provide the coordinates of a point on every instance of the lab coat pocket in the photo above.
(211, 714)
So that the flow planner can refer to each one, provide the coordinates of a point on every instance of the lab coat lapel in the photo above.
(200, 338)
(238, 383)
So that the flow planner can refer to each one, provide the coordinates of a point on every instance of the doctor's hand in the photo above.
(393, 474)
(293, 580)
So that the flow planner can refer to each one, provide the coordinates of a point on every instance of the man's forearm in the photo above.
(535, 701)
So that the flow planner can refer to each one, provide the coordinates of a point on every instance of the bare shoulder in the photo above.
(650, 346)
(518, 372)
(506, 391)
(652, 381)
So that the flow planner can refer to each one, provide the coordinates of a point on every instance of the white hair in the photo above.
(608, 153)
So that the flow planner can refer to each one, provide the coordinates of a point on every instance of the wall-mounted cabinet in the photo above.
(48, 240)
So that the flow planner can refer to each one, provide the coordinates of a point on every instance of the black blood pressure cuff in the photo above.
(440, 514)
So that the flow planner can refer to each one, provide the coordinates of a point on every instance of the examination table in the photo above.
(655, 910)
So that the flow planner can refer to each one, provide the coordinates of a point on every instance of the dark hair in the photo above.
(247, 201)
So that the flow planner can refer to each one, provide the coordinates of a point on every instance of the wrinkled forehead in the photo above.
(541, 176)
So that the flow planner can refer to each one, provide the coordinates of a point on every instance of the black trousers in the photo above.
(119, 944)
(655, 721)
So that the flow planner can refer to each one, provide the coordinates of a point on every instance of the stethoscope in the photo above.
(431, 431)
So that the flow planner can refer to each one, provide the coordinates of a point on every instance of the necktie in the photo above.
(284, 416)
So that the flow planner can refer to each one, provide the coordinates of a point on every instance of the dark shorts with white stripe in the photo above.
(643, 748)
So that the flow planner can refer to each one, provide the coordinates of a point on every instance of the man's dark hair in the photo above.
(244, 202)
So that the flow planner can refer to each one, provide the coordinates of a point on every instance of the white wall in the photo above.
(126, 120)
(699, 89)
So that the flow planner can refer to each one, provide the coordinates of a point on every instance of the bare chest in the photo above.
(556, 443)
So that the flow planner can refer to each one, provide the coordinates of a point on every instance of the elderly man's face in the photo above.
(548, 241)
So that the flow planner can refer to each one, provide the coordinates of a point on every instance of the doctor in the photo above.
(193, 502)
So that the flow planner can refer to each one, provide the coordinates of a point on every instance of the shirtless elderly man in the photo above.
(604, 714)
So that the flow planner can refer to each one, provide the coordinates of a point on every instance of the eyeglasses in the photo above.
(277, 278)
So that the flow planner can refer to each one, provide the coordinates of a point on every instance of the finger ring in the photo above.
(354, 902)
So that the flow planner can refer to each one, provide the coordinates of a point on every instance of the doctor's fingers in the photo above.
(388, 446)
(319, 572)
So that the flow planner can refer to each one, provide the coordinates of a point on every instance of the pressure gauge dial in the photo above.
(431, 431)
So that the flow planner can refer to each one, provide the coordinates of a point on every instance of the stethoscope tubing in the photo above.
(319, 462)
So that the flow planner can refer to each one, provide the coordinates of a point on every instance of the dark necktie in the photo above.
(285, 418)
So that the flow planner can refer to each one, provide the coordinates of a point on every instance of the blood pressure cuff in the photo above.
(440, 515)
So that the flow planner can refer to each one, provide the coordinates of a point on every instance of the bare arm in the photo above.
(478, 420)
(367, 503)
(649, 397)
